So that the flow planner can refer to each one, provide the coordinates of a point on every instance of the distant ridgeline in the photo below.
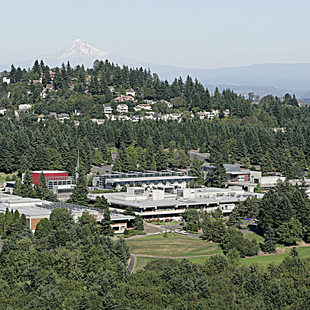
(47, 115)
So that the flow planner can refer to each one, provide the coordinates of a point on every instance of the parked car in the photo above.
(183, 232)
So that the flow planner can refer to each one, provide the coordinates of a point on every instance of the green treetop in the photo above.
(80, 192)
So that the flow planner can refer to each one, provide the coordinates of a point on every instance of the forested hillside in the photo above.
(68, 265)
(248, 135)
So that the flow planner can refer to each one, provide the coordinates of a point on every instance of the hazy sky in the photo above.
(187, 33)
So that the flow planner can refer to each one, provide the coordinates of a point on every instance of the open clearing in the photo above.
(174, 245)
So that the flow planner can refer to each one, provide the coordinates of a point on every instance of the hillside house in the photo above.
(140, 107)
(62, 117)
(24, 107)
(2, 111)
(123, 98)
(107, 109)
(122, 108)
(130, 92)
(6, 80)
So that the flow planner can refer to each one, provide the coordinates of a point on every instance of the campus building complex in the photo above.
(245, 178)
(150, 179)
(35, 210)
(169, 203)
(59, 182)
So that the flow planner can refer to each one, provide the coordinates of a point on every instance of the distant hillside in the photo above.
(276, 79)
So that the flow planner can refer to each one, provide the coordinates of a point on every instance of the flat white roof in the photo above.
(145, 179)
(49, 171)
(173, 202)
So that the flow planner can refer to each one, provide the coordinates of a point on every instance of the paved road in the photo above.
(132, 263)
(200, 156)
(174, 227)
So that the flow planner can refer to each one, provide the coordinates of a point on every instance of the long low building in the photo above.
(151, 179)
(166, 203)
(35, 210)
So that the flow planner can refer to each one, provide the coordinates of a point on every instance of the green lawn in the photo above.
(173, 246)
(264, 261)
(177, 245)
(142, 262)
(304, 252)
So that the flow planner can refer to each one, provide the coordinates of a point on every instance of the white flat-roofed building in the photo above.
(35, 210)
(171, 204)
(150, 179)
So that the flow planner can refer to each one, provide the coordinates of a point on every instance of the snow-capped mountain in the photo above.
(264, 79)
(78, 53)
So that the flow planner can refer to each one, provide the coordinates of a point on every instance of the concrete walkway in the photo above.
(132, 263)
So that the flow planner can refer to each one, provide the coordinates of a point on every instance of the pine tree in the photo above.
(269, 245)
(153, 164)
(110, 157)
(27, 186)
(161, 159)
(234, 218)
(216, 177)
(121, 163)
(79, 195)
(138, 223)
(17, 187)
(42, 191)
(106, 228)
(196, 172)
(101, 203)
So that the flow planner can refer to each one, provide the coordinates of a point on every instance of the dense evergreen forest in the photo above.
(246, 136)
(67, 265)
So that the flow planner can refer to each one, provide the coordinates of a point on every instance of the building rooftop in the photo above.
(198, 196)
(49, 171)
(145, 179)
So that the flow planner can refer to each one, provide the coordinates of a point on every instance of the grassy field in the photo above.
(304, 252)
(142, 262)
(264, 261)
(183, 246)
(174, 246)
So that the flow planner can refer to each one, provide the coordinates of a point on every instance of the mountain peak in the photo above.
(79, 52)
(78, 41)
